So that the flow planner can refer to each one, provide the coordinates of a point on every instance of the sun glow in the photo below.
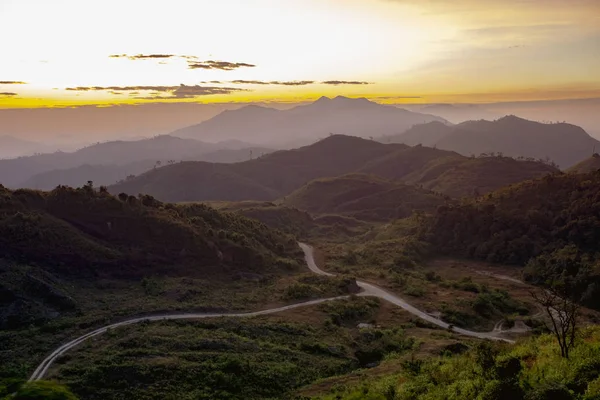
(401, 48)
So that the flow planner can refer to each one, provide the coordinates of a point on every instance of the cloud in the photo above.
(12, 83)
(144, 56)
(345, 83)
(297, 83)
(161, 92)
(184, 91)
(293, 83)
(7, 94)
(220, 65)
(284, 83)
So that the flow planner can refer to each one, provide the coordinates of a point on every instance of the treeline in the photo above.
(551, 225)
(85, 230)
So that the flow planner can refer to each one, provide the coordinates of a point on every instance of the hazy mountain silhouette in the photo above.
(562, 143)
(357, 117)
(457, 113)
(104, 161)
(14, 147)
(277, 174)
(590, 164)
(110, 174)
(363, 196)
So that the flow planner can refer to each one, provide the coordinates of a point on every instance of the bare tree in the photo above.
(563, 313)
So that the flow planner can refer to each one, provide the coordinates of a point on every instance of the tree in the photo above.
(567, 282)
(42, 390)
(563, 314)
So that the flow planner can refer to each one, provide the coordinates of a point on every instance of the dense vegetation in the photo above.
(87, 232)
(551, 224)
(590, 164)
(258, 358)
(531, 370)
(364, 197)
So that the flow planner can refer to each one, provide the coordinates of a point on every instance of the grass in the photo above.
(264, 357)
(533, 369)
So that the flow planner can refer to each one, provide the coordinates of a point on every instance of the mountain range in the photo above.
(275, 175)
(303, 124)
(562, 143)
(106, 163)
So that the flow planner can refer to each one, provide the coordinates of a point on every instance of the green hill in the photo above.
(590, 164)
(362, 196)
(531, 370)
(265, 178)
(452, 174)
(550, 224)
(56, 243)
(276, 175)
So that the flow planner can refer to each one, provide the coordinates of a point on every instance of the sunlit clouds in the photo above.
(272, 50)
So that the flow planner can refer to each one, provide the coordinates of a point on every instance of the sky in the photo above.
(58, 53)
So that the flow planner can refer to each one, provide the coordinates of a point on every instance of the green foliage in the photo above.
(550, 224)
(352, 310)
(42, 390)
(531, 370)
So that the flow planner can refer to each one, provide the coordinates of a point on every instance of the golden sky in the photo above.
(75, 52)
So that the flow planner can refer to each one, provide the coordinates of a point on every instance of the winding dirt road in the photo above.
(368, 290)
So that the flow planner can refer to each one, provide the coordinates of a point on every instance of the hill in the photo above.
(363, 197)
(530, 370)
(56, 243)
(424, 134)
(265, 178)
(590, 164)
(14, 172)
(549, 224)
(83, 231)
(14, 147)
(356, 117)
(104, 175)
(452, 174)
(277, 174)
(562, 143)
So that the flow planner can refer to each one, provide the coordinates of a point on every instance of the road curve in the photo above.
(376, 291)
(368, 290)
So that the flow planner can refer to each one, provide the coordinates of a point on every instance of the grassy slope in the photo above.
(590, 164)
(264, 357)
(265, 178)
(363, 197)
(533, 369)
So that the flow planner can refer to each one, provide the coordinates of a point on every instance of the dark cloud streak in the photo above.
(296, 83)
(335, 83)
(174, 92)
(220, 65)
(7, 94)
(12, 83)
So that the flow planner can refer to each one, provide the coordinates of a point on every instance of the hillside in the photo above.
(15, 147)
(15, 172)
(590, 164)
(266, 178)
(424, 134)
(530, 370)
(276, 175)
(119, 237)
(104, 175)
(452, 174)
(303, 124)
(363, 197)
(562, 143)
(550, 224)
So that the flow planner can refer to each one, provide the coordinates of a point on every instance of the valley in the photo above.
(411, 258)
